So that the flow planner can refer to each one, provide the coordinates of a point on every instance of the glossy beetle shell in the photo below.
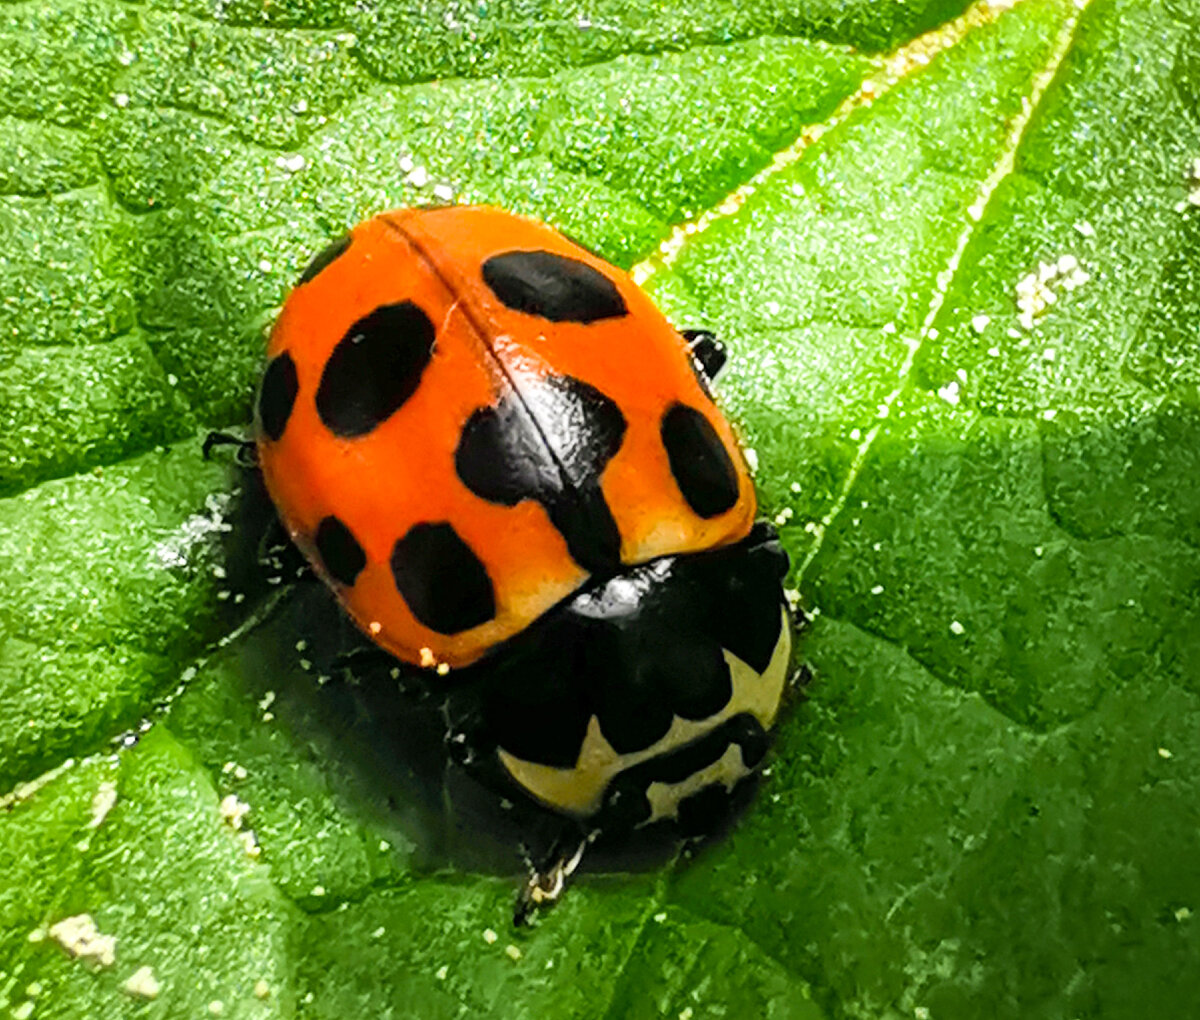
(466, 418)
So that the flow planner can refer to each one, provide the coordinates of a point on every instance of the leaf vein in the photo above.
(1001, 170)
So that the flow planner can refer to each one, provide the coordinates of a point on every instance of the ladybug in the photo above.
(508, 467)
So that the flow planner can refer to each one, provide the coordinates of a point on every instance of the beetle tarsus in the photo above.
(708, 351)
(545, 886)
(360, 662)
(246, 453)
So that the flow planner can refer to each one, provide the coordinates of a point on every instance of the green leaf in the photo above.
(959, 284)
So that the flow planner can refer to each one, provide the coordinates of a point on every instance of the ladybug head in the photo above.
(646, 696)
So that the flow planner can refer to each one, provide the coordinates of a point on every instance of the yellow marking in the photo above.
(580, 790)
(665, 798)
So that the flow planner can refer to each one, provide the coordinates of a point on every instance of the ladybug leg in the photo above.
(280, 559)
(799, 681)
(707, 350)
(247, 452)
(361, 661)
(547, 883)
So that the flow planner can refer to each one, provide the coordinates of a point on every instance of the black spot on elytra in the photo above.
(555, 287)
(340, 552)
(277, 396)
(551, 444)
(332, 251)
(375, 368)
(442, 580)
(699, 461)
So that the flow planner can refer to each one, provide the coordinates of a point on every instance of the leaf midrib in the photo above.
(944, 280)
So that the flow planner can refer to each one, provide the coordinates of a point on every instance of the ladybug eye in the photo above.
(553, 286)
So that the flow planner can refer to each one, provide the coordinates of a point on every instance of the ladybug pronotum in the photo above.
(507, 465)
